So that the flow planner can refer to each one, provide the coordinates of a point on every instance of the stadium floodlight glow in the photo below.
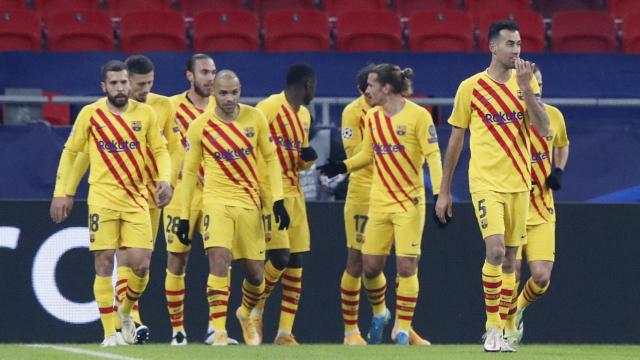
(44, 277)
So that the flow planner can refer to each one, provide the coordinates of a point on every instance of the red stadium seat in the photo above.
(264, 6)
(141, 31)
(406, 8)
(583, 31)
(47, 8)
(296, 30)
(56, 114)
(440, 30)
(339, 7)
(194, 7)
(118, 8)
(13, 5)
(477, 7)
(369, 31)
(531, 28)
(631, 34)
(233, 30)
(549, 7)
(20, 30)
(621, 8)
(80, 31)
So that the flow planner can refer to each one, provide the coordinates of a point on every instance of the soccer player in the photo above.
(541, 221)
(141, 77)
(118, 131)
(200, 71)
(399, 136)
(228, 139)
(500, 106)
(289, 122)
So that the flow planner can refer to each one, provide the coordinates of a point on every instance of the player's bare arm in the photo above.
(535, 109)
(61, 208)
(444, 207)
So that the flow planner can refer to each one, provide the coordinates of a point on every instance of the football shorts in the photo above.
(541, 242)
(235, 228)
(502, 214)
(400, 229)
(112, 229)
(296, 238)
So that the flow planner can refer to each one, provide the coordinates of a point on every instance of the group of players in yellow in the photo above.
(204, 161)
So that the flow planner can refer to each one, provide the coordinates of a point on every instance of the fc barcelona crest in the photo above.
(401, 130)
(136, 125)
(250, 132)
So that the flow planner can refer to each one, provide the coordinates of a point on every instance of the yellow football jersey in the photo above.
(496, 115)
(353, 127)
(228, 150)
(117, 153)
(541, 205)
(290, 131)
(398, 147)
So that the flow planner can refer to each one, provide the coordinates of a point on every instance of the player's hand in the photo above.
(60, 208)
(435, 216)
(524, 73)
(308, 154)
(183, 232)
(164, 193)
(444, 208)
(332, 168)
(280, 215)
(554, 180)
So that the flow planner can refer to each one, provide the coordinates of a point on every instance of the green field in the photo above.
(309, 352)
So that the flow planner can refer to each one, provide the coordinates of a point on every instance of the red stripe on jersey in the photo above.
(240, 135)
(182, 121)
(500, 141)
(153, 198)
(283, 162)
(188, 112)
(153, 159)
(236, 148)
(229, 175)
(109, 164)
(395, 138)
(386, 185)
(118, 137)
(298, 123)
(287, 139)
(219, 147)
(545, 147)
(504, 128)
(504, 106)
(387, 169)
(505, 89)
(535, 205)
(384, 141)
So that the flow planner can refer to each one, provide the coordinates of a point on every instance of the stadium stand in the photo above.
(296, 30)
(192, 8)
(139, 31)
(477, 7)
(548, 7)
(262, 7)
(531, 28)
(440, 30)
(583, 31)
(119, 8)
(20, 31)
(13, 5)
(621, 8)
(232, 30)
(79, 31)
(47, 8)
(631, 30)
(406, 8)
(339, 7)
(369, 31)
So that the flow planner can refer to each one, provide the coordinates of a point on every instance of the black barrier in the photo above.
(594, 295)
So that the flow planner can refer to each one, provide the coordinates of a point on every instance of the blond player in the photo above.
(500, 106)
(117, 131)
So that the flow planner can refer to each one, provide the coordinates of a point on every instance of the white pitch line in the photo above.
(98, 354)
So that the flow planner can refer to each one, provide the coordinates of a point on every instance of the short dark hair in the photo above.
(299, 74)
(496, 27)
(112, 65)
(191, 62)
(400, 79)
(363, 77)
(139, 64)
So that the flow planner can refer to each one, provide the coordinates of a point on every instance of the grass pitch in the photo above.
(310, 352)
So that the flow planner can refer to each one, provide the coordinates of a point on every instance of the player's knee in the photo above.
(279, 258)
(370, 270)
(541, 278)
(177, 262)
(354, 268)
(295, 260)
(495, 254)
(141, 269)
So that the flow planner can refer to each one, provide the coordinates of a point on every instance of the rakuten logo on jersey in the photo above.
(539, 156)
(118, 146)
(503, 119)
(289, 144)
(381, 149)
(233, 155)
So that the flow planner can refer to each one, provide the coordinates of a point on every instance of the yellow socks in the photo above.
(376, 288)
(103, 292)
(510, 325)
(406, 299)
(271, 277)
(492, 285)
(218, 298)
(174, 292)
(530, 293)
(291, 290)
(350, 298)
(506, 295)
(251, 295)
(135, 288)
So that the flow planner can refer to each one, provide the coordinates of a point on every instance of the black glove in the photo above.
(333, 168)
(435, 216)
(183, 232)
(308, 154)
(554, 181)
(280, 215)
